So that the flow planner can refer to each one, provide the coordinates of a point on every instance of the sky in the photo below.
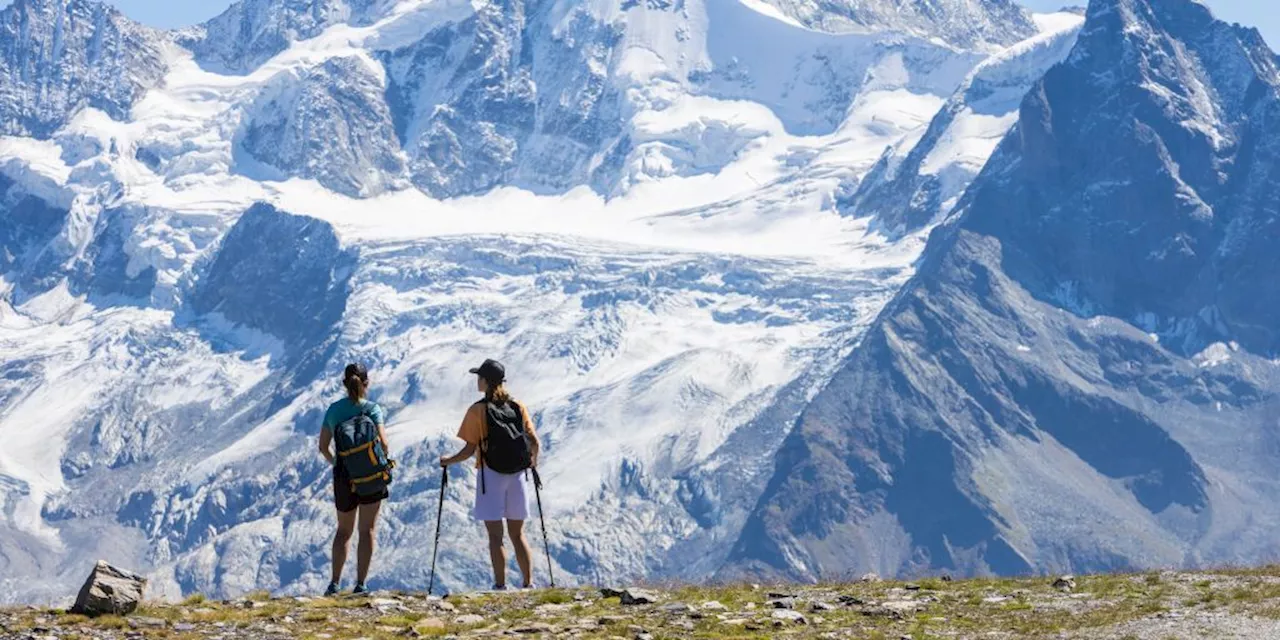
(1264, 14)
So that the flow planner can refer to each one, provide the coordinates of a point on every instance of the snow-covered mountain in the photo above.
(1081, 375)
(328, 123)
(962, 23)
(918, 182)
(62, 56)
(673, 235)
(250, 32)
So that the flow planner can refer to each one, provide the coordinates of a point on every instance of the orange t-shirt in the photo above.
(475, 428)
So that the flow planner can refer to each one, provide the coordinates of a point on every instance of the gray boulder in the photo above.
(110, 591)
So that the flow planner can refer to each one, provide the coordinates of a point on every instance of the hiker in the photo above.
(501, 431)
(354, 506)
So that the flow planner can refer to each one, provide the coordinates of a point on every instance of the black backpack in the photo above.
(506, 447)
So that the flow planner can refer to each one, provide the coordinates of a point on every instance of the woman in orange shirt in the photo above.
(501, 431)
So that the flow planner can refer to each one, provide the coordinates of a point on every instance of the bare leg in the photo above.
(523, 555)
(346, 524)
(497, 554)
(364, 554)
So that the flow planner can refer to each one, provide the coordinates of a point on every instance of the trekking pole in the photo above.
(537, 491)
(439, 512)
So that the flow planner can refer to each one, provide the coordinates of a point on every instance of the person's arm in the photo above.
(380, 419)
(471, 433)
(325, 439)
(382, 435)
(535, 444)
(462, 456)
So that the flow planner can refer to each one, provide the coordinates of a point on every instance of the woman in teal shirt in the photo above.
(352, 507)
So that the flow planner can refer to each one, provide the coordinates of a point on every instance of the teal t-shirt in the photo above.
(344, 410)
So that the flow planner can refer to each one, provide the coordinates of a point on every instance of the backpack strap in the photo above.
(515, 406)
(364, 411)
(484, 442)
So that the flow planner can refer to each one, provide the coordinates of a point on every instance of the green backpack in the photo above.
(362, 456)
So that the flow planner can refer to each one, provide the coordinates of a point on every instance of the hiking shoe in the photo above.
(360, 589)
(499, 587)
(332, 590)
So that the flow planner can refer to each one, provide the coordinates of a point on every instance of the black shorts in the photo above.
(347, 500)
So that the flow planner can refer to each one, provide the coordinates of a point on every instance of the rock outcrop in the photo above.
(110, 590)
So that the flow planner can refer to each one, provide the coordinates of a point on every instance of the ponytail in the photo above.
(498, 394)
(356, 379)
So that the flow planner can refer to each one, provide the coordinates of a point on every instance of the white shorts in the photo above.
(503, 497)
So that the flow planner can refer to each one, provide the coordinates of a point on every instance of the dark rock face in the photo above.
(1159, 211)
(278, 273)
(27, 225)
(60, 56)
(1039, 397)
(504, 97)
(329, 123)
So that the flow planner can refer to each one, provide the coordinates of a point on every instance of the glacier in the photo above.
(644, 213)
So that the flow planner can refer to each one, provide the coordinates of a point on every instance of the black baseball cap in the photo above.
(492, 371)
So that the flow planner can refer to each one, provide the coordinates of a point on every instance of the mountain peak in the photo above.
(250, 32)
(1146, 23)
(1166, 86)
(61, 56)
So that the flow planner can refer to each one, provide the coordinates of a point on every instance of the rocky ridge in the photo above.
(1218, 604)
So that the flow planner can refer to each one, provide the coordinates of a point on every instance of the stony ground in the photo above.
(1225, 604)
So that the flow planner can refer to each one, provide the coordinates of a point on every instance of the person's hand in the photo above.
(444, 461)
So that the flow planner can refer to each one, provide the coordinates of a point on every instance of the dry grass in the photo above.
(1000, 608)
